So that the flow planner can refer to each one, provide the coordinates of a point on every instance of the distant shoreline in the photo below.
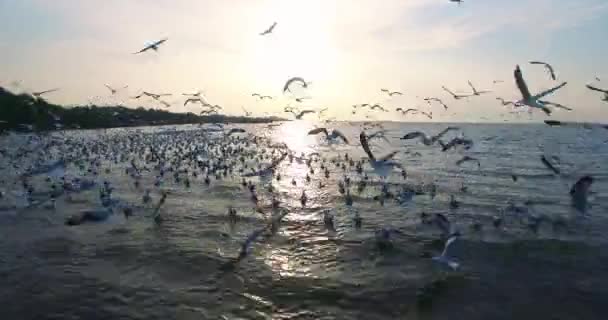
(25, 113)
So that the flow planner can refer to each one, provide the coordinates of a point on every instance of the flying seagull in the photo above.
(301, 114)
(112, 90)
(504, 102)
(547, 66)
(269, 30)
(528, 99)
(235, 130)
(604, 91)
(427, 114)
(428, 100)
(247, 113)
(377, 106)
(382, 166)
(456, 96)
(292, 80)
(40, 93)
(426, 140)
(406, 111)
(153, 46)
(331, 137)
(467, 143)
(443, 258)
(194, 100)
(475, 92)
(391, 93)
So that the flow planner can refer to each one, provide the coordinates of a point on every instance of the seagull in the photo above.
(377, 106)
(467, 158)
(427, 114)
(443, 258)
(269, 30)
(265, 97)
(579, 193)
(547, 66)
(247, 113)
(331, 137)
(475, 92)
(497, 81)
(504, 102)
(456, 141)
(391, 93)
(456, 96)
(604, 91)
(426, 140)
(292, 80)
(405, 112)
(301, 114)
(193, 100)
(382, 166)
(527, 98)
(152, 95)
(428, 100)
(39, 94)
(112, 90)
(153, 46)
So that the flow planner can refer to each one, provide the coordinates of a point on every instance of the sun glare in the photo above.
(301, 44)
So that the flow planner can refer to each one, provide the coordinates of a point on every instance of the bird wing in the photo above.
(557, 105)
(521, 84)
(305, 112)
(429, 115)
(590, 87)
(389, 156)
(442, 133)
(448, 91)
(447, 245)
(413, 135)
(549, 165)
(341, 135)
(550, 91)
(396, 93)
(365, 145)
(109, 88)
(159, 42)
(292, 80)
(472, 87)
(551, 71)
(317, 131)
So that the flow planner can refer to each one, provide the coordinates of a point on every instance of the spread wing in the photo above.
(448, 91)
(365, 145)
(521, 84)
(341, 135)
(317, 131)
(413, 135)
(590, 87)
(550, 91)
(389, 156)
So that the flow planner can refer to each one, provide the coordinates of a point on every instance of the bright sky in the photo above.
(348, 49)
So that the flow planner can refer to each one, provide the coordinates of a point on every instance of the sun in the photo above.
(301, 44)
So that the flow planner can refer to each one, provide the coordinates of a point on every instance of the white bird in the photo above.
(444, 258)
(247, 113)
(426, 140)
(528, 99)
(475, 92)
(547, 66)
(455, 96)
(194, 100)
(40, 93)
(153, 46)
(331, 137)
(292, 80)
(269, 30)
(382, 166)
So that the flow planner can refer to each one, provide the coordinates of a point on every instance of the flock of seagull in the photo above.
(200, 156)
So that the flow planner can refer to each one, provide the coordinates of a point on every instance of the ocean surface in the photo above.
(524, 251)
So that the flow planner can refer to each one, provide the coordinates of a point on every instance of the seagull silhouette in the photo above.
(41, 93)
(475, 92)
(428, 100)
(331, 137)
(154, 46)
(292, 80)
(547, 66)
(428, 140)
(269, 30)
(406, 111)
(455, 96)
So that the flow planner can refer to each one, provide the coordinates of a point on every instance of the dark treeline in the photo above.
(22, 111)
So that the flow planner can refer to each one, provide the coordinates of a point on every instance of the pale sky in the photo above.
(348, 49)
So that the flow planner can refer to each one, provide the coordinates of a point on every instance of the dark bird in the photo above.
(153, 46)
(466, 159)
(549, 165)
(405, 112)
(300, 114)
(426, 140)
(547, 66)
(553, 123)
(235, 130)
(269, 30)
(293, 80)
(333, 136)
